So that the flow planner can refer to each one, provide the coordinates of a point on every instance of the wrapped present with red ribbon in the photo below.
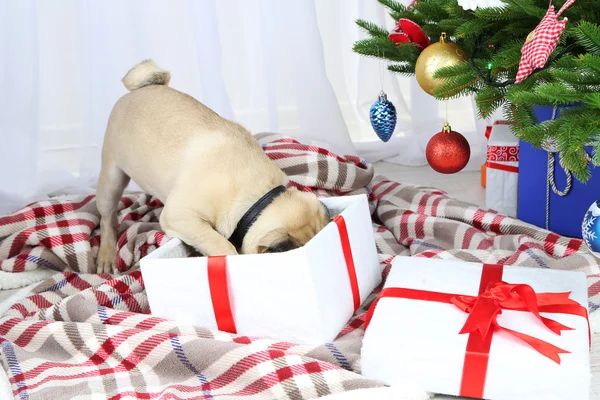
(305, 295)
(480, 331)
(502, 169)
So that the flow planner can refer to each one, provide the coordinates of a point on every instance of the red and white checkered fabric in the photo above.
(88, 336)
(541, 42)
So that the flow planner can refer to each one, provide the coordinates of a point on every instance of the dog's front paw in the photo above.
(105, 261)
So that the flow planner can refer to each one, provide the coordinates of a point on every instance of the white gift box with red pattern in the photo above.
(305, 295)
(480, 331)
(502, 170)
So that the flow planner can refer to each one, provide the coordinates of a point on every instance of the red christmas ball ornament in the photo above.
(448, 151)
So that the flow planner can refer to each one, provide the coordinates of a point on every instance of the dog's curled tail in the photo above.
(146, 73)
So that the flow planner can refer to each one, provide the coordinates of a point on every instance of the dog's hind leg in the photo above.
(111, 184)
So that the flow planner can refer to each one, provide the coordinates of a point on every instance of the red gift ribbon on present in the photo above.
(343, 231)
(494, 296)
(219, 290)
(219, 293)
(502, 167)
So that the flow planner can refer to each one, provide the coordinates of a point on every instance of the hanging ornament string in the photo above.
(447, 127)
(383, 113)
(381, 77)
(446, 103)
(551, 147)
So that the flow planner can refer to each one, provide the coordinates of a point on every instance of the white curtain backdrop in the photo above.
(278, 66)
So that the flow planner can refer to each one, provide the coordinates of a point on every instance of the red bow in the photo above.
(484, 309)
(407, 31)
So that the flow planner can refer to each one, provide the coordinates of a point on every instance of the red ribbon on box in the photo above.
(502, 167)
(494, 296)
(219, 293)
(219, 290)
(343, 231)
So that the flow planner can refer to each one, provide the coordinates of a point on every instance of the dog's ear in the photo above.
(280, 247)
(327, 212)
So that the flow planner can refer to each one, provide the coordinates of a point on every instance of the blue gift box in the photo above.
(565, 212)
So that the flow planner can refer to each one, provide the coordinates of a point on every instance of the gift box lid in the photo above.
(305, 295)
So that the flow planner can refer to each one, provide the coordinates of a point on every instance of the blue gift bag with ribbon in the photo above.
(546, 199)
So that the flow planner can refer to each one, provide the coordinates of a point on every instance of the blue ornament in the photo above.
(590, 228)
(383, 117)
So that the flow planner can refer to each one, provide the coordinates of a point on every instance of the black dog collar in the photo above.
(244, 225)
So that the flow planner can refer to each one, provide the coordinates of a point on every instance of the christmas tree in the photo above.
(493, 38)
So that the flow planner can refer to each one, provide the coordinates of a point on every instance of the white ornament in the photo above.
(587, 232)
(590, 228)
(474, 4)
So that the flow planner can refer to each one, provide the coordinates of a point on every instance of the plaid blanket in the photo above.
(83, 335)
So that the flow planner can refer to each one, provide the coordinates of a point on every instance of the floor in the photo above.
(464, 186)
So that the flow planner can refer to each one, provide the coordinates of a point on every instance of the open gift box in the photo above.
(468, 329)
(305, 295)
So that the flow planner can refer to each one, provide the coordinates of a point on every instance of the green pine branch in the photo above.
(470, 29)
(494, 14)
(577, 163)
(588, 36)
(457, 86)
(393, 5)
(508, 56)
(398, 10)
(591, 62)
(450, 24)
(521, 118)
(453, 71)
(434, 10)
(373, 29)
(383, 48)
(488, 100)
(546, 94)
(455, 10)
(592, 100)
(596, 149)
(529, 7)
(536, 134)
(402, 69)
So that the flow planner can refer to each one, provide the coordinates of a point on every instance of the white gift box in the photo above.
(502, 170)
(305, 295)
(418, 341)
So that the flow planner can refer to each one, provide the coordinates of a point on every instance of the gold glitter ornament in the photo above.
(435, 56)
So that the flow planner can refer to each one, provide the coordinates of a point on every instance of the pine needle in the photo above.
(373, 29)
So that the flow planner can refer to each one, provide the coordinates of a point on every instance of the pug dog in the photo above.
(221, 193)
